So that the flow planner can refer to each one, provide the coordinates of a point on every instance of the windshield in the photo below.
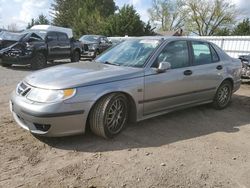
(129, 53)
(40, 33)
(89, 38)
(5, 35)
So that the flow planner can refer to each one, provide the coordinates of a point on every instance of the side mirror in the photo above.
(163, 66)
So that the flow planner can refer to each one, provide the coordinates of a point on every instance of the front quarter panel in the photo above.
(91, 94)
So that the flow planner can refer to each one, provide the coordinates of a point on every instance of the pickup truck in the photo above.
(94, 45)
(37, 47)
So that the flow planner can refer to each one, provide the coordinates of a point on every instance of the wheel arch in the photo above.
(230, 80)
(132, 116)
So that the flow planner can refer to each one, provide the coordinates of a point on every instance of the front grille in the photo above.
(23, 89)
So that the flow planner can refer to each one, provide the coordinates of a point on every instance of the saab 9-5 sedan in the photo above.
(137, 79)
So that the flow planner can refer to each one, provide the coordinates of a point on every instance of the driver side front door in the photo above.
(172, 88)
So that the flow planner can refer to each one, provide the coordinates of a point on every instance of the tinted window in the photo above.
(202, 53)
(215, 56)
(176, 53)
(62, 37)
(52, 36)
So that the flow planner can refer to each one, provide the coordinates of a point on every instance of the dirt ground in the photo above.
(197, 147)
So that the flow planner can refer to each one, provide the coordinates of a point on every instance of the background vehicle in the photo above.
(94, 45)
(135, 80)
(37, 46)
(245, 59)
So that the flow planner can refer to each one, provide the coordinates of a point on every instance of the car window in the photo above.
(62, 37)
(104, 40)
(215, 57)
(52, 36)
(202, 54)
(176, 53)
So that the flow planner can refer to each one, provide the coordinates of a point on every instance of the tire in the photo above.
(97, 52)
(109, 115)
(223, 95)
(6, 65)
(38, 61)
(75, 56)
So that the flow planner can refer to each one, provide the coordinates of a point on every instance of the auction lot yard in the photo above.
(197, 147)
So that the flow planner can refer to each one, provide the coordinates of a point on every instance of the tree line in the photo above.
(198, 17)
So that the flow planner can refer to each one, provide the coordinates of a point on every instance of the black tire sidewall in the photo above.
(106, 130)
(75, 56)
(216, 103)
(38, 61)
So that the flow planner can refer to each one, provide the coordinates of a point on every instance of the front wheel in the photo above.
(38, 61)
(109, 115)
(223, 95)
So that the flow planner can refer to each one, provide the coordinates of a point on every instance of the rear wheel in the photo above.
(109, 115)
(75, 56)
(38, 61)
(223, 95)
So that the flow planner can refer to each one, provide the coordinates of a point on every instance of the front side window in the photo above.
(176, 53)
(202, 54)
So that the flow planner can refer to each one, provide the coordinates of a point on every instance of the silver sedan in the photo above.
(135, 80)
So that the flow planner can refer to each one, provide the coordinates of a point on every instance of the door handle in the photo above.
(219, 67)
(187, 72)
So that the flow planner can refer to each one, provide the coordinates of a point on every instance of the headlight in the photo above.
(92, 46)
(49, 96)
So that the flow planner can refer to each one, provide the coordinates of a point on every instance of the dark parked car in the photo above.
(94, 45)
(36, 47)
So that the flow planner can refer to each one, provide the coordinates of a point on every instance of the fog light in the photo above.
(42, 127)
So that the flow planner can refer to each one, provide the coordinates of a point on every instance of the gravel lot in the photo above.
(197, 147)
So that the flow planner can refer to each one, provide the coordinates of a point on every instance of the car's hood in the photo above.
(80, 74)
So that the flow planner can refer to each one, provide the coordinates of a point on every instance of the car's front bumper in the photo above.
(88, 54)
(22, 60)
(58, 119)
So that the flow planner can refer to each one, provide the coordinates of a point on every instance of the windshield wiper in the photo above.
(109, 63)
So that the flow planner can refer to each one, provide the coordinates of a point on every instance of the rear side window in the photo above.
(202, 54)
(215, 57)
(62, 37)
(176, 53)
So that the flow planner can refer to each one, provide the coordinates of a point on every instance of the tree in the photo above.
(168, 13)
(83, 16)
(126, 22)
(222, 32)
(243, 28)
(205, 17)
(41, 20)
(148, 30)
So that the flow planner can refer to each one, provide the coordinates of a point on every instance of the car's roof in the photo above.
(166, 38)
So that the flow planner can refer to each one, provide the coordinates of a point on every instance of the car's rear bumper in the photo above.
(58, 119)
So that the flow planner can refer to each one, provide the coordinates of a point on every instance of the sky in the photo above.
(20, 12)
